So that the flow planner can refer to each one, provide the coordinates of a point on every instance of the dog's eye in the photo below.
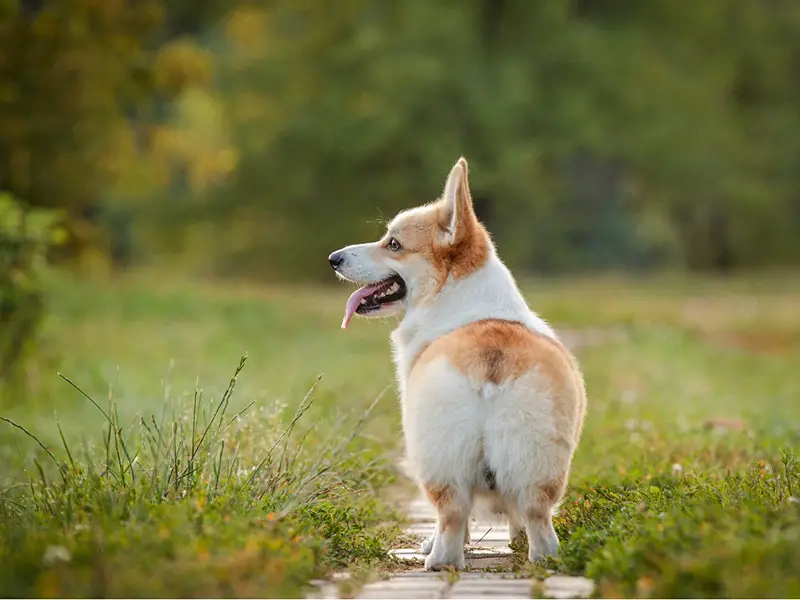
(393, 245)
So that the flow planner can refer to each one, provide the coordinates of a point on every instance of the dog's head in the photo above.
(423, 249)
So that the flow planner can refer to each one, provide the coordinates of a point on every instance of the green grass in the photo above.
(172, 479)
(159, 495)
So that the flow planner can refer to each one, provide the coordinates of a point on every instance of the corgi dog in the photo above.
(493, 403)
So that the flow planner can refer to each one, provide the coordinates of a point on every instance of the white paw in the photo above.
(550, 548)
(427, 545)
(434, 563)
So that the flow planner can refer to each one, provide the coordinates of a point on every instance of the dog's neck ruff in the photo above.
(488, 293)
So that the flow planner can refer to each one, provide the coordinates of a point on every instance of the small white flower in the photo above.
(794, 500)
(55, 554)
(677, 469)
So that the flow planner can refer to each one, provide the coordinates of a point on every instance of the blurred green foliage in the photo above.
(25, 237)
(255, 137)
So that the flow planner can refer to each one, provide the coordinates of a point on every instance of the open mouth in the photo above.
(371, 298)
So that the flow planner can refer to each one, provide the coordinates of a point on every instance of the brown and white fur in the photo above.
(493, 404)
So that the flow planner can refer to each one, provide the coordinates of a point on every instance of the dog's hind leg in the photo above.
(447, 545)
(427, 544)
(538, 517)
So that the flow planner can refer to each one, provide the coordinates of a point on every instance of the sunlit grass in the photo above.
(199, 500)
(685, 482)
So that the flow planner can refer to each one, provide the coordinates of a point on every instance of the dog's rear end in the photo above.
(493, 412)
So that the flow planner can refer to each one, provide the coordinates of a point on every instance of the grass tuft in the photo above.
(199, 502)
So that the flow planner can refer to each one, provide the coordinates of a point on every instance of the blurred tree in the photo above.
(68, 69)
(609, 133)
(26, 235)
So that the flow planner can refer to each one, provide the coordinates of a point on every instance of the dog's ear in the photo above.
(457, 216)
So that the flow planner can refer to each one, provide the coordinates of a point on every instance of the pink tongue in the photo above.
(354, 300)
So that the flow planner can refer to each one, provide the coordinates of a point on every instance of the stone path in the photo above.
(489, 550)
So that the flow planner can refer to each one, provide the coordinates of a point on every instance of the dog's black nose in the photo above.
(336, 259)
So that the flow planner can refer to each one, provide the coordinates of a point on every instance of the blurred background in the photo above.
(251, 138)
(248, 139)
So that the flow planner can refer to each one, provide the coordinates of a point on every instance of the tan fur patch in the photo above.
(545, 498)
(494, 350)
(551, 492)
(439, 495)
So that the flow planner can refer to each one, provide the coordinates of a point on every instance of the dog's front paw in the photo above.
(427, 545)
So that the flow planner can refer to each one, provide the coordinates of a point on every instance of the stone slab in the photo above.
(489, 576)
(564, 586)
(407, 585)
(492, 588)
